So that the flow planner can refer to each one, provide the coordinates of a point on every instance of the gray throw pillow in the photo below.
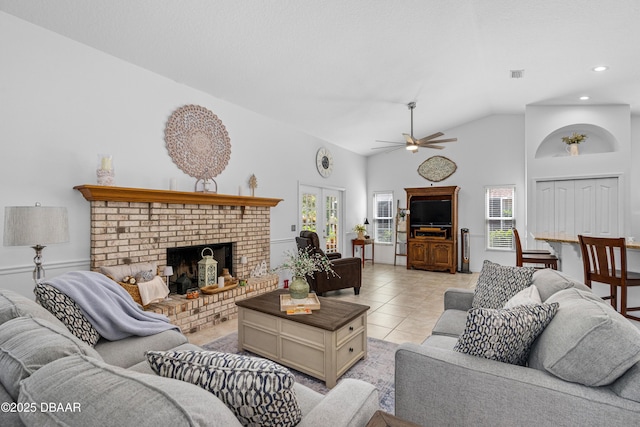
(67, 311)
(498, 283)
(27, 344)
(549, 281)
(258, 391)
(504, 335)
(587, 342)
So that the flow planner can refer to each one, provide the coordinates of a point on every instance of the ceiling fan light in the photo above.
(412, 147)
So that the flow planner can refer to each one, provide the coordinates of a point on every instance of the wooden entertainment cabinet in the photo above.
(433, 246)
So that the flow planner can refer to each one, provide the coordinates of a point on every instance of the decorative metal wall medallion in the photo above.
(437, 168)
(197, 142)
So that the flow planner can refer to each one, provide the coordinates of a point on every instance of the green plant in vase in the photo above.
(360, 229)
(303, 263)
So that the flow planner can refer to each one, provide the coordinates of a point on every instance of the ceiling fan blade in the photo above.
(427, 138)
(390, 142)
(410, 139)
(437, 141)
(437, 147)
(387, 149)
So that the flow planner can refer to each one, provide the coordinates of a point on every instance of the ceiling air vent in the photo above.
(517, 74)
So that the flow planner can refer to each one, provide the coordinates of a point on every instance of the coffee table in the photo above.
(323, 344)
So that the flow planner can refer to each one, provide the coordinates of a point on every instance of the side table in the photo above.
(382, 419)
(363, 243)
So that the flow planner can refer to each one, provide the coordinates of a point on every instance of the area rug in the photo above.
(377, 368)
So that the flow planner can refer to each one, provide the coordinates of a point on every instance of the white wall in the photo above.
(64, 103)
(482, 144)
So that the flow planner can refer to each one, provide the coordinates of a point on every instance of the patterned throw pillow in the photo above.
(498, 283)
(258, 391)
(67, 311)
(505, 335)
(145, 276)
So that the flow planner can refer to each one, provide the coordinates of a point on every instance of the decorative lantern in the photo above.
(207, 269)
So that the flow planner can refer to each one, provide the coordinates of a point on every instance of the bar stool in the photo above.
(605, 261)
(533, 256)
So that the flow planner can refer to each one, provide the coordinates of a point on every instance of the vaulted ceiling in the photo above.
(344, 70)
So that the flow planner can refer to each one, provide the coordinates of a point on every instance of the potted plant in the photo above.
(303, 263)
(573, 141)
(360, 229)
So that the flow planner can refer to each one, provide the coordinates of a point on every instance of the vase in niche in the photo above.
(299, 288)
(572, 149)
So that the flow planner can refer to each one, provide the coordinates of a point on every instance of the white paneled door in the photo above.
(578, 206)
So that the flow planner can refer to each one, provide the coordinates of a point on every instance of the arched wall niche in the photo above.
(599, 140)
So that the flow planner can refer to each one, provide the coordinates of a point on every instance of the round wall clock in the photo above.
(324, 162)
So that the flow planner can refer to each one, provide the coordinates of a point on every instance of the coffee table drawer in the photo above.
(351, 351)
(352, 328)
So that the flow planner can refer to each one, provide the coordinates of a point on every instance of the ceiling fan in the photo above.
(412, 143)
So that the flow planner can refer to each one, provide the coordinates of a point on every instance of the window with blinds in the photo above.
(499, 203)
(383, 217)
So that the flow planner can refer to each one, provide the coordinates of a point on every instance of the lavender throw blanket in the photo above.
(108, 306)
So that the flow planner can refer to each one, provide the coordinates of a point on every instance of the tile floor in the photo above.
(404, 304)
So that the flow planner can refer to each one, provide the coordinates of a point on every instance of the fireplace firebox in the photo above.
(184, 261)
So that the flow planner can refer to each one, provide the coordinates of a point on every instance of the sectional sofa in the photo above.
(49, 376)
(582, 369)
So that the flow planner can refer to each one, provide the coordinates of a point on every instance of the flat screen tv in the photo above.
(430, 213)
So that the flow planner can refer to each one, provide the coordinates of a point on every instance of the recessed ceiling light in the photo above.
(600, 68)
(584, 98)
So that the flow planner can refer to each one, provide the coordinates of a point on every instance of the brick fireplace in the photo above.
(130, 225)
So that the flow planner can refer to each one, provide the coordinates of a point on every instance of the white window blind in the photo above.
(499, 203)
(383, 217)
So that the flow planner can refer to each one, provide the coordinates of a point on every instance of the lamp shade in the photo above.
(35, 225)
(168, 271)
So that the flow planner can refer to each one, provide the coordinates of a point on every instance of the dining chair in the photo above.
(605, 261)
(533, 256)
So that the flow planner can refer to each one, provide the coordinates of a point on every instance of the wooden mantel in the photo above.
(125, 194)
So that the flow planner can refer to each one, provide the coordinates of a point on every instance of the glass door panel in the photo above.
(332, 220)
(320, 211)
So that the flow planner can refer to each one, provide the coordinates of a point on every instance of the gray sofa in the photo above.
(586, 342)
(50, 377)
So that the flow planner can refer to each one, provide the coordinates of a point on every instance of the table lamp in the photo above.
(34, 226)
(167, 272)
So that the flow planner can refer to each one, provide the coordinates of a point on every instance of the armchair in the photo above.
(348, 270)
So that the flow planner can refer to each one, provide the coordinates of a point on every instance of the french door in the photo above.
(321, 211)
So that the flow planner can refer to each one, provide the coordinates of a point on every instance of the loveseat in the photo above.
(582, 368)
(49, 376)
